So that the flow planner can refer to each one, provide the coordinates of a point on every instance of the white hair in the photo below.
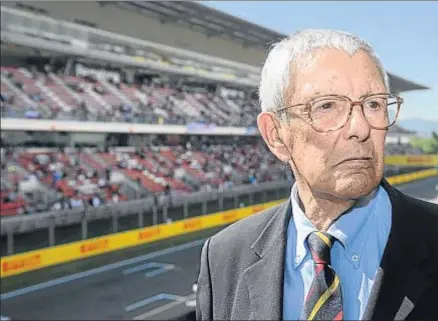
(276, 75)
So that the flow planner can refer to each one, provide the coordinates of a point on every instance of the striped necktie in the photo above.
(324, 299)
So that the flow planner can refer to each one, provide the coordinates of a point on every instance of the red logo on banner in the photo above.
(257, 209)
(419, 159)
(94, 246)
(18, 264)
(229, 217)
(192, 224)
(149, 233)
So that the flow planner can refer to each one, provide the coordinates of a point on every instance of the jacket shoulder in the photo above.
(227, 255)
(426, 214)
(429, 217)
(244, 232)
(422, 224)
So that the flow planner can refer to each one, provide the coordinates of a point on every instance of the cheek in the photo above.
(379, 143)
(312, 150)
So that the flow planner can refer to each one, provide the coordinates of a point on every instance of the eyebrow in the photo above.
(321, 94)
(309, 98)
(367, 93)
(318, 94)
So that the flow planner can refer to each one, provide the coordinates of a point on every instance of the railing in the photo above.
(14, 121)
(25, 233)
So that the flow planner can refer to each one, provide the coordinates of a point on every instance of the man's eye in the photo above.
(373, 105)
(325, 106)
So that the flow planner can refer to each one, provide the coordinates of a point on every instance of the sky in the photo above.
(404, 35)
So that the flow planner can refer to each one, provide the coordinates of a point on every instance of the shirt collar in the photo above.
(348, 229)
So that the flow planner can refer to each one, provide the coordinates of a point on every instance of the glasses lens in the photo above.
(380, 110)
(329, 113)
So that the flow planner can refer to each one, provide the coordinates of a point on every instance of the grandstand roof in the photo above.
(400, 84)
(206, 19)
(397, 129)
(217, 23)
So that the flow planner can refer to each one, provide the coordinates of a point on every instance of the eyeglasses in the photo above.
(332, 112)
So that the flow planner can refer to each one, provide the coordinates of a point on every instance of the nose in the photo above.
(358, 127)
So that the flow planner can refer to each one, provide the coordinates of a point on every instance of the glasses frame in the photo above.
(399, 101)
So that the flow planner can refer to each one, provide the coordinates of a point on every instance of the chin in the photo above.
(356, 186)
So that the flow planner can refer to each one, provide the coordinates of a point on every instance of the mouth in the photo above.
(356, 160)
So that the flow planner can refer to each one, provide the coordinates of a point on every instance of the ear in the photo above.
(272, 133)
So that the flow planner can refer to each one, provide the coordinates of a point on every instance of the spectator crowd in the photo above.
(35, 180)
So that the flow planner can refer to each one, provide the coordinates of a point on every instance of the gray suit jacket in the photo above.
(241, 272)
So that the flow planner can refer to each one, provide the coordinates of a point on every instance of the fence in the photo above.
(26, 233)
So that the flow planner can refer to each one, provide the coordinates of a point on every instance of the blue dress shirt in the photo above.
(367, 223)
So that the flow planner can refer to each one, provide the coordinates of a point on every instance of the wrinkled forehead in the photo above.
(334, 72)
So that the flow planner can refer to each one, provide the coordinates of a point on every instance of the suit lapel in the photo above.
(399, 281)
(264, 279)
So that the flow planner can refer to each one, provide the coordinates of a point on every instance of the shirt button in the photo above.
(355, 257)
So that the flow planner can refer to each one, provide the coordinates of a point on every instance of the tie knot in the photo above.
(320, 244)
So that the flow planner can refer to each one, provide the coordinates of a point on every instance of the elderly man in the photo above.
(346, 245)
